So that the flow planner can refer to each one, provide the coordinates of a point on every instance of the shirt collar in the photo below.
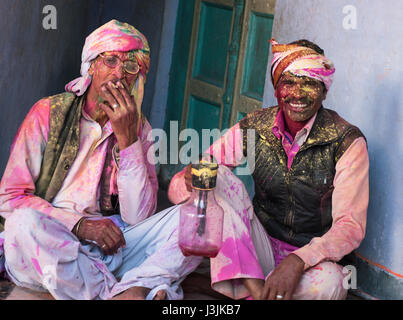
(107, 128)
(279, 127)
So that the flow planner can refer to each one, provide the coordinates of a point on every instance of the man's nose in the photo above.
(299, 92)
(119, 72)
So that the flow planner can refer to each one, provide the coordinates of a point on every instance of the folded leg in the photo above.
(42, 254)
(152, 257)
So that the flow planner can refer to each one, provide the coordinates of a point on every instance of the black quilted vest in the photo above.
(296, 205)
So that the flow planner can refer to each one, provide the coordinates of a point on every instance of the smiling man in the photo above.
(311, 186)
(78, 193)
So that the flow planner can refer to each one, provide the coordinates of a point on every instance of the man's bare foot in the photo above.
(139, 293)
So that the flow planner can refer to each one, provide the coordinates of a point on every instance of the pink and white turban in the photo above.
(113, 36)
(300, 61)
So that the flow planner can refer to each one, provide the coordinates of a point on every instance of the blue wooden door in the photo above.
(226, 64)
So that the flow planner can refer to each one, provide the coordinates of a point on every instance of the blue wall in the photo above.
(36, 63)
(367, 92)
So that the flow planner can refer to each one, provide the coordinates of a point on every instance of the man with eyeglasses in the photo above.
(78, 193)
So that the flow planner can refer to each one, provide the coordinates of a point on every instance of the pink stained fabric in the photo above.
(323, 281)
(281, 249)
(112, 36)
(238, 257)
(135, 177)
(349, 201)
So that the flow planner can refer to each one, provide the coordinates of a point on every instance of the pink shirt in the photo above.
(291, 146)
(350, 195)
(136, 179)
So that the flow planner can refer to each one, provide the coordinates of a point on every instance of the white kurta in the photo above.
(40, 250)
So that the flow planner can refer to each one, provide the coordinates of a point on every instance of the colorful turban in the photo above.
(113, 36)
(300, 61)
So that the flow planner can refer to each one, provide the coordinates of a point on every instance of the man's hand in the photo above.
(284, 279)
(104, 232)
(124, 117)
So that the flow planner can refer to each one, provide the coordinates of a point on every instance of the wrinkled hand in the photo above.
(124, 118)
(188, 177)
(104, 232)
(284, 279)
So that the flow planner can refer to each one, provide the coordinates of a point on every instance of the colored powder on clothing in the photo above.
(65, 243)
(242, 245)
(36, 265)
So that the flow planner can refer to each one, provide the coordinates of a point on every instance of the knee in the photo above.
(323, 282)
(20, 222)
(332, 286)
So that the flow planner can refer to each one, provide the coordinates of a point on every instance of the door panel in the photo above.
(208, 65)
(256, 55)
(226, 64)
(203, 114)
(252, 64)
(212, 43)
(253, 55)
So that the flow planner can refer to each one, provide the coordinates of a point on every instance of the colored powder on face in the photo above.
(37, 249)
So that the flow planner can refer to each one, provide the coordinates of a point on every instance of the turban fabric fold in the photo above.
(300, 61)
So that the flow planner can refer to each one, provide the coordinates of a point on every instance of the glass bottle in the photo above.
(201, 217)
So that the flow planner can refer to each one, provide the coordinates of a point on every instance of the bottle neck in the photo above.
(202, 196)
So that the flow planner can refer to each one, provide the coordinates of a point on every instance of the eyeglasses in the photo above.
(130, 66)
